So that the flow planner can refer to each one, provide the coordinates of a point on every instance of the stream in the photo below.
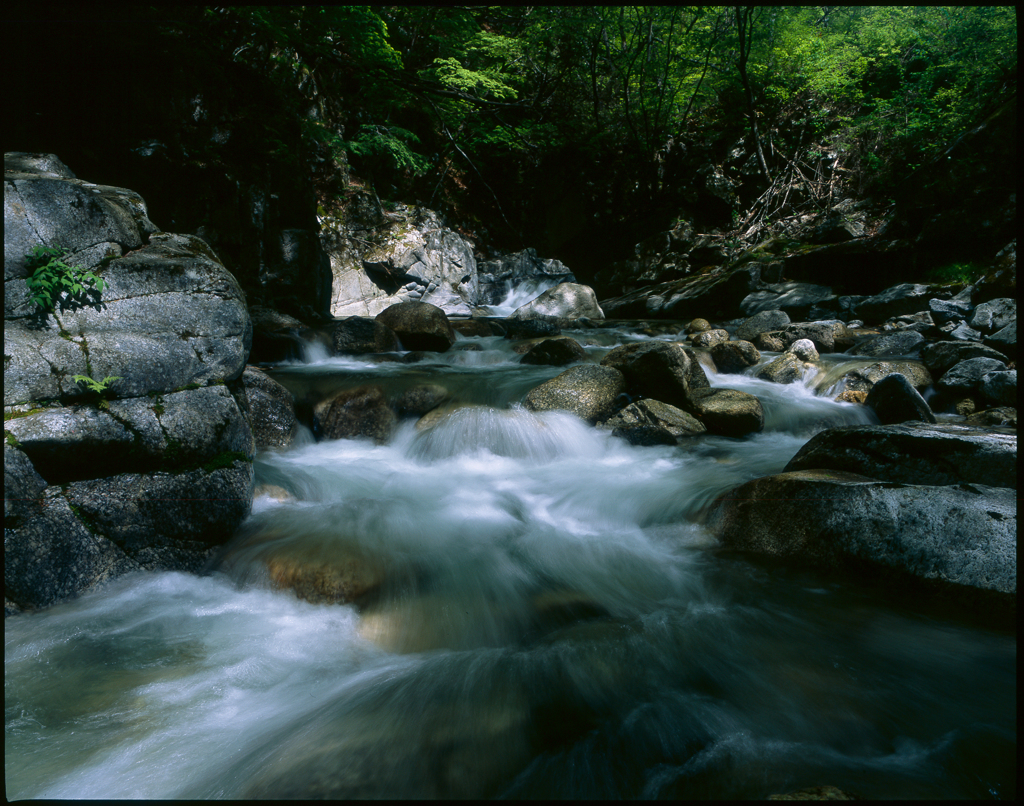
(548, 618)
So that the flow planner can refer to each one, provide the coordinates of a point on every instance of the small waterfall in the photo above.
(518, 295)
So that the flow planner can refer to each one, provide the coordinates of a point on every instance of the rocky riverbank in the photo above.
(101, 483)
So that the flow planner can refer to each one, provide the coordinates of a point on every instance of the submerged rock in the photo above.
(359, 412)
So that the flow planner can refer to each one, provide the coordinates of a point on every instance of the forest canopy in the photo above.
(508, 105)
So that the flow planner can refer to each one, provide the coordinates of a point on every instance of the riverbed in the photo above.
(549, 619)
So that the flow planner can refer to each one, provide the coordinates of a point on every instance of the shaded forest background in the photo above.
(579, 131)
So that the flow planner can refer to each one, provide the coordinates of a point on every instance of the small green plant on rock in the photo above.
(50, 277)
(97, 387)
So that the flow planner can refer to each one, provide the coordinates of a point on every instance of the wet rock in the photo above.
(698, 326)
(587, 390)
(896, 401)
(359, 412)
(941, 355)
(851, 396)
(735, 356)
(822, 334)
(968, 375)
(963, 536)
(902, 342)
(360, 334)
(727, 412)
(709, 338)
(531, 328)
(915, 453)
(651, 422)
(700, 364)
(773, 341)
(555, 352)
(565, 300)
(419, 399)
(861, 380)
(654, 369)
(786, 368)
(1004, 415)
(419, 326)
(474, 327)
(804, 350)
(271, 410)
(762, 322)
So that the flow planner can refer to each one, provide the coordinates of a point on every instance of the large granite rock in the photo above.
(728, 412)
(412, 257)
(964, 536)
(588, 391)
(915, 453)
(566, 301)
(419, 326)
(654, 369)
(128, 477)
(271, 408)
(499, 275)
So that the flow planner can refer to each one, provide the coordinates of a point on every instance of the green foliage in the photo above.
(392, 144)
(51, 278)
(96, 387)
(956, 274)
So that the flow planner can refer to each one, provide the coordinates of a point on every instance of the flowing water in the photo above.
(543, 616)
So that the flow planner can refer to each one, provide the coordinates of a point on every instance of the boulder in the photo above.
(786, 368)
(271, 410)
(502, 273)
(915, 453)
(709, 338)
(735, 356)
(899, 299)
(419, 326)
(1003, 415)
(555, 352)
(157, 469)
(994, 315)
(944, 311)
(963, 535)
(419, 399)
(655, 369)
(894, 400)
(961, 332)
(359, 412)
(823, 334)
(899, 343)
(565, 301)
(795, 299)
(651, 422)
(862, 379)
(414, 257)
(360, 334)
(1000, 387)
(587, 390)
(966, 376)
(773, 341)
(696, 377)
(941, 355)
(727, 412)
(762, 322)
(1005, 340)
(698, 326)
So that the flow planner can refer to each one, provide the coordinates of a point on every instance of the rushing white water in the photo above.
(519, 294)
(543, 615)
